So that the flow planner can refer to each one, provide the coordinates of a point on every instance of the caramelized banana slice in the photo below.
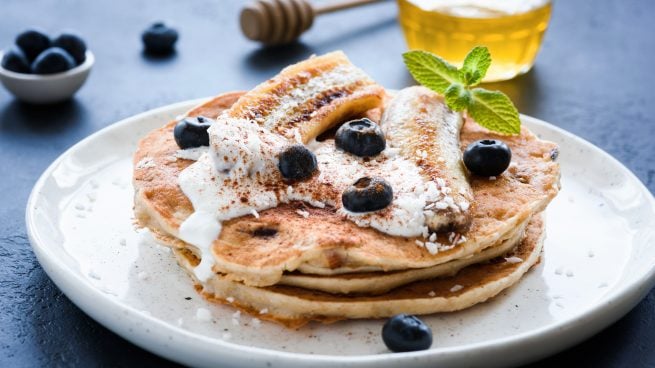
(309, 97)
(424, 129)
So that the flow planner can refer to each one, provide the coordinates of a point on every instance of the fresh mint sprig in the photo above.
(491, 109)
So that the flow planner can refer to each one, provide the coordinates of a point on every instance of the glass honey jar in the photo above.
(511, 29)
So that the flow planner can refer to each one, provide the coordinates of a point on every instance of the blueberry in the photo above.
(72, 43)
(15, 60)
(361, 137)
(367, 194)
(403, 332)
(53, 60)
(296, 162)
(159, 39)
(192, 132)
(32, 43)
(487, 157)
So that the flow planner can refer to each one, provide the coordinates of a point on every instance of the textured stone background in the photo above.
(594, 77)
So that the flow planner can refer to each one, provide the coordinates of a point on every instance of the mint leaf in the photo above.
(475, 66)
(491, 109)
(494, 111)
(457, 97)
(430, 70)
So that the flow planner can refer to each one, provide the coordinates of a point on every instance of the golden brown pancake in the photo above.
(295, 306)
(297, 262)
(372, 283)
(259, 250)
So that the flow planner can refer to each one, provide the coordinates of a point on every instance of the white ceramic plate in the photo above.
(598, 263)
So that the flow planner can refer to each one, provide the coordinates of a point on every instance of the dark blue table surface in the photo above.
(594, 77)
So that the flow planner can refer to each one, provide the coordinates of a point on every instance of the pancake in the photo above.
(289, 251)
(372, 283)
(259, 250)
(295, 306)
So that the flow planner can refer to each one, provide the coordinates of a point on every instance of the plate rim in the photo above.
(611, 308)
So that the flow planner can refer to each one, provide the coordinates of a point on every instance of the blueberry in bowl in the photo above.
(191, 132)
(53, 60)
(487, 157)
(40, 71)
(73, 44)
(33, 42)
(15, 60)
(159, 39)
(361, 137)
(367, 194)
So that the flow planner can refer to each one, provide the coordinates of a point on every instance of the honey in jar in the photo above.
(511, 29)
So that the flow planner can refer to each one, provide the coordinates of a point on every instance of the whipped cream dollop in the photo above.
(238, 176)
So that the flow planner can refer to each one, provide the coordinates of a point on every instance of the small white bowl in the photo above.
(46, 88)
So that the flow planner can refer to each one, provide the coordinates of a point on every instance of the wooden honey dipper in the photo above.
(276, 22)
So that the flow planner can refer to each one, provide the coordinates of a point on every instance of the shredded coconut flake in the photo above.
(256, 322)
(203, 315)
(191, 153)
(263, 311)
(441, 205)
(513, 259)
(236, 317)
(443, 247)
(146, 163)
(254, 213)
(230, 299)
(432, 294)
(303, 213)
(433, 248)
(456, 288)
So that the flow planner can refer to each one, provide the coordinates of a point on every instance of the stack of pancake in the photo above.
(301, 261)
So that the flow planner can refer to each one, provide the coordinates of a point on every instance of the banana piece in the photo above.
(310, 97)
(298, 104)
(419, 124)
